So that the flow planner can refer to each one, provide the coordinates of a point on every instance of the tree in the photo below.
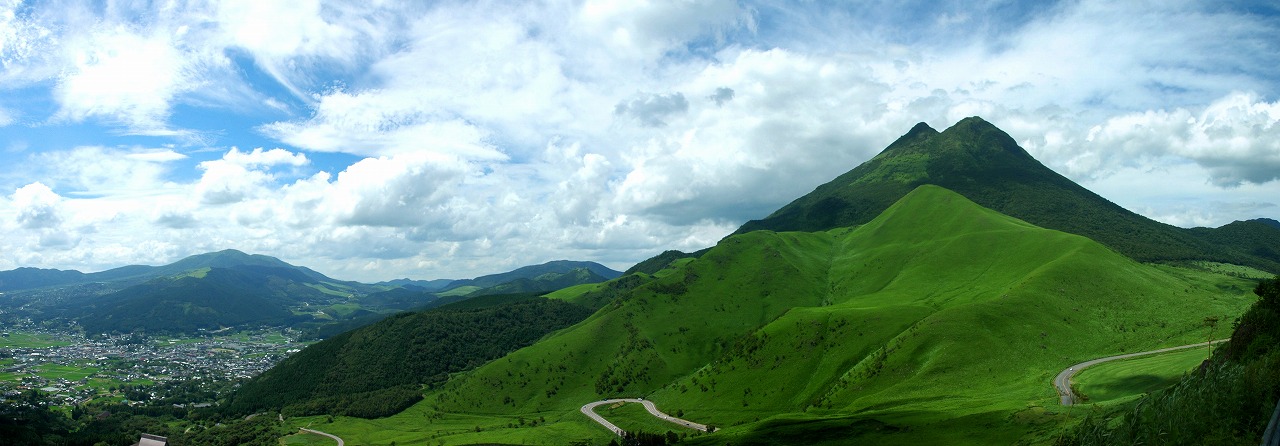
(1212, 323)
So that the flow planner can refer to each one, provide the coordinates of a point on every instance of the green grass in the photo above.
(67, 372)
(342, 311)
(1233, 270)
(20, 339)
(307, 439)
(459, 291)
(633, 417)
(421, 425)
(1119, 380)
(938, 320)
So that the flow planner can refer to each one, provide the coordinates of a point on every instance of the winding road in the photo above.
(589, 410)
(334, 437)
(1063, 381)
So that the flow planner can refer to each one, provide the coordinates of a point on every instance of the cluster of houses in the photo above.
(94, 367)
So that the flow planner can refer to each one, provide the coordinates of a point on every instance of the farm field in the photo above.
(28, 339)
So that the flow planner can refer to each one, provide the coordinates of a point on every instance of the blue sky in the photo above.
(452, 139)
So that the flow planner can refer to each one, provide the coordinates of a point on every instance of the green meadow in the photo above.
(21, 339)
(938, 320)
(307, 439)
(1121, 380)
(633, 417)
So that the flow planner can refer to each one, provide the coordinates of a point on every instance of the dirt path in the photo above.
(589, 410)
(1062, 382)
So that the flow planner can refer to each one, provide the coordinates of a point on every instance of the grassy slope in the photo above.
(1133, 377)
(939, 315)
(981, 162)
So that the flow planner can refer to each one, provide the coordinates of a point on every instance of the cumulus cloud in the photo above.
(653, 110)
(409, 190)
(1237, 138)
(37, 206)
(176, 220)
(238, 176)
(268, 158)
(721, 96)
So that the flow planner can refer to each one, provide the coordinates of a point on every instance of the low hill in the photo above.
(533, 272)
(550, 281)
(937, 320)
(28, 278)
(426, 285)
(1256, 238)
(983, 163)
(379, 369)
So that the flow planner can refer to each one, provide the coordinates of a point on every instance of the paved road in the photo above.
(334, 437)
(1063, 381)
(589, 410)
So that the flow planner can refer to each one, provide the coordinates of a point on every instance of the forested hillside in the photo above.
(380, 369)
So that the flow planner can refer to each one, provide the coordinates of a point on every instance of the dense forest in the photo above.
(380, 369)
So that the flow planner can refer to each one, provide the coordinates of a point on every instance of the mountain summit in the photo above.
(983, 163)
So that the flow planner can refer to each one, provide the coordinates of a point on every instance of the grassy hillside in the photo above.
(981, 162)
(935, 316)
(1228, 401)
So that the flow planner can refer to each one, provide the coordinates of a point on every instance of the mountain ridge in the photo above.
(978, 160)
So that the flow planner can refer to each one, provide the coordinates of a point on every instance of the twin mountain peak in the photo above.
(984, 164)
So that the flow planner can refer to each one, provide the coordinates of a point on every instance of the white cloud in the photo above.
(408, 190)
(261, 158)
(493, 135)
(37, 206)
(240, 176)
(1237, 138)
(653, 110)
(119, 75)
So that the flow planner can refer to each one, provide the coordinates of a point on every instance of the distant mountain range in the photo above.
(28, 278)
(231, 289)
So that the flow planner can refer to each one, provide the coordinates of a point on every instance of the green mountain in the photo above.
(937, 321)
(30, 278)
(1257, 238)
(205, 299)
(534, 272)
(983, 163)
(378, 370)
(27, 278)
(545, 282)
